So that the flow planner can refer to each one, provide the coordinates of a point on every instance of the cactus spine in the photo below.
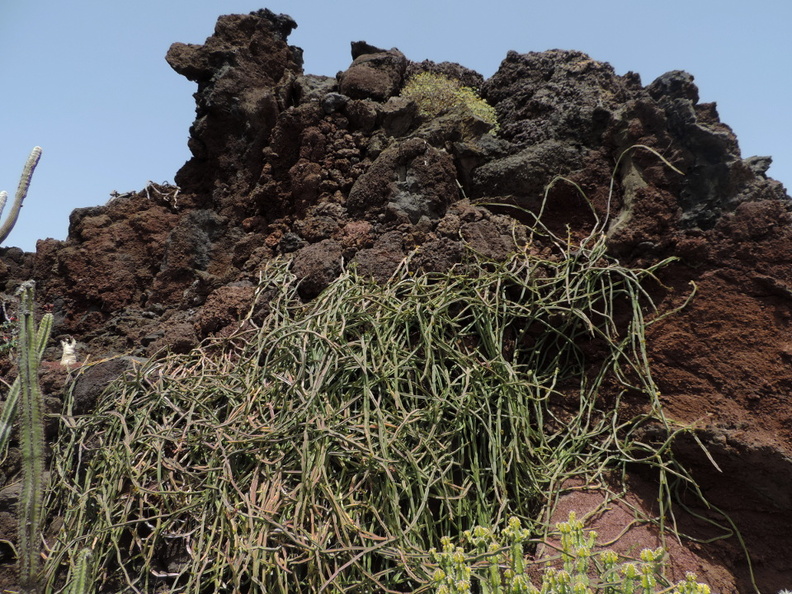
(24, 184)
(31, 440)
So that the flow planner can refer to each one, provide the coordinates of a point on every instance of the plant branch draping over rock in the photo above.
(332, 446)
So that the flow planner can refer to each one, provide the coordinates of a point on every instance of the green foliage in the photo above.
(496, 564)
(436, 95)
(22, 189)
(8, 336)
(9, 410)
(31, 440)
(331, 443)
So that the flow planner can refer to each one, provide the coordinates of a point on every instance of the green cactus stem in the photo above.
(79, 582)
(24, 184)
(8, 413)
(31, 441)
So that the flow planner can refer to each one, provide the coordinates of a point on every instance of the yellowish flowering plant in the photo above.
(497, 564)
(436, 95)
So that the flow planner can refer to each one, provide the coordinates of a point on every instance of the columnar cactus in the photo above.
(31, 438)
(80, 573)
(24, 184)
(8, 413)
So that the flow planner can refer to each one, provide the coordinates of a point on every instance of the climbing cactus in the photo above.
(31, 439)
(24, 184)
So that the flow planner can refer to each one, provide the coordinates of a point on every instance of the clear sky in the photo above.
(87, 79)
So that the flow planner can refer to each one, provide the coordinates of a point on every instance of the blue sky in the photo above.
(87, 80)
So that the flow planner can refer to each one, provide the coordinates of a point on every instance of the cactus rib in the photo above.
(22, 189)
(9, 409)
(31, 417)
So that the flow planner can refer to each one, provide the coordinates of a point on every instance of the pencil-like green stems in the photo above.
(352, 432)
(31, 438)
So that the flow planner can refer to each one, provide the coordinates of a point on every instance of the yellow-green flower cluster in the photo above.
(453, 572)
(436, 95)
(498, 565)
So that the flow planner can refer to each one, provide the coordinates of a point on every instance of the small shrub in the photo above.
(436, 95)
(497, 564)
(8, 335)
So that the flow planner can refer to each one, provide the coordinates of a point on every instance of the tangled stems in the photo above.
(329, 444)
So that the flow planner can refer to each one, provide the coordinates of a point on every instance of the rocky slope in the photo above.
(335, 170)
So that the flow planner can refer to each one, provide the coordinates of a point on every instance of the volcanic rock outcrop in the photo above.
(338, 170)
